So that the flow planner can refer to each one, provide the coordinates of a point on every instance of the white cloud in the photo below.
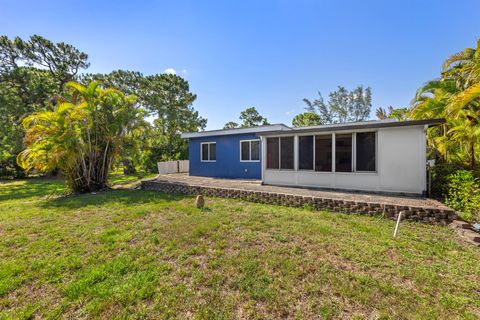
(170, 71)
(184, 71)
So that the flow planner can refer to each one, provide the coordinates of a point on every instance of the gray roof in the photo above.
(222, 132)
(281, 128)
(373, 124)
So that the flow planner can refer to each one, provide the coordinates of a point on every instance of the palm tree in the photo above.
(430, 102)
(455, 97)
(464, 67)
(82, 136)
(381, 113)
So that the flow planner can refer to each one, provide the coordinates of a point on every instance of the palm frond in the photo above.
(458, 57)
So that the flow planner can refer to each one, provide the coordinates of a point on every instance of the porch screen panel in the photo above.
(272, 153)
(245, 146)
(286, 152)
(343, 152)
(365, 147)
(255, 147)
(305, 152)
(323, 153)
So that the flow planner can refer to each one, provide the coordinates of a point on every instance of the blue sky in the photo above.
(267, 54)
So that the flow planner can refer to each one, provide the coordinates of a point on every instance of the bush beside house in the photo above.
(464, 194)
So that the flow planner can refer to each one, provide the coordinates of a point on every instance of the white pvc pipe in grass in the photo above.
(398, 223)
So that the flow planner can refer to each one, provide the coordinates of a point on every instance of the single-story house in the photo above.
(380, 156)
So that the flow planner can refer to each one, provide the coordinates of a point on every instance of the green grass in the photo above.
(137, 254)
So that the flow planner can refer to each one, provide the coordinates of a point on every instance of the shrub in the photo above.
(464, 194)
(440, 173)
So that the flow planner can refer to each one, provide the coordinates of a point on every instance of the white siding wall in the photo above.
(401, 158)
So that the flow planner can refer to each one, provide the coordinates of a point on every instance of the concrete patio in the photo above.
(415, 208)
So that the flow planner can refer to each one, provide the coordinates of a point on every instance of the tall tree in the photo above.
(31, 72)
(392, 113)
(62, 60)
(250, 117)
(129, 82)
(169, 99)
(231, 125)
(342, 106)
(82, 135)
(306, 119)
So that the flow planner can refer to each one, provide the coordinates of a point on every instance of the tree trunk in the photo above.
(90, 177)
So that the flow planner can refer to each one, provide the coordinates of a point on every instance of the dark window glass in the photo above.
(213, 151)
(343, 153)
(272, 153)
(245, 150)
(365, 151)
(205, 151)
(255, 153)
(305, 152)
(323, 153)
(286, 153)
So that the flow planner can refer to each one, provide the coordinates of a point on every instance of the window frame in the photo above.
(333, 135)
(293, 153)
(332, 139)
(353, 155)
(250, 150)
(280, 153)
(313, 152)
(332, 160)
(208, 151)
(376, 152)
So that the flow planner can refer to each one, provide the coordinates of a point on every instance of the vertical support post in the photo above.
(295, 157)
(333, 153)
(263, 158)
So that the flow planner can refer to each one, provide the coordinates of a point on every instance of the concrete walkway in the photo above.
(255, 185)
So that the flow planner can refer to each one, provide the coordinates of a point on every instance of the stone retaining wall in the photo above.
(422, 214)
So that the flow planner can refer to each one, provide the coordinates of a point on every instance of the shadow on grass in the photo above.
(126, 197)
(28, 188)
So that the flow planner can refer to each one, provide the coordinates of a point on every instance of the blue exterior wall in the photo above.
(228, 163)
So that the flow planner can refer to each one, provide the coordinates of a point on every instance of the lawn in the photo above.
(137, 254)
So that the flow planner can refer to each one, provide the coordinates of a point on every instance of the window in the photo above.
(365, 151)
(323, 153)
(255, 150)
(245, 150)
(208, 151)
(305, 152)
(250, 150)
(343, 152)
(315, 152)
(273, 161)
(280, 153)
(286, 152)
